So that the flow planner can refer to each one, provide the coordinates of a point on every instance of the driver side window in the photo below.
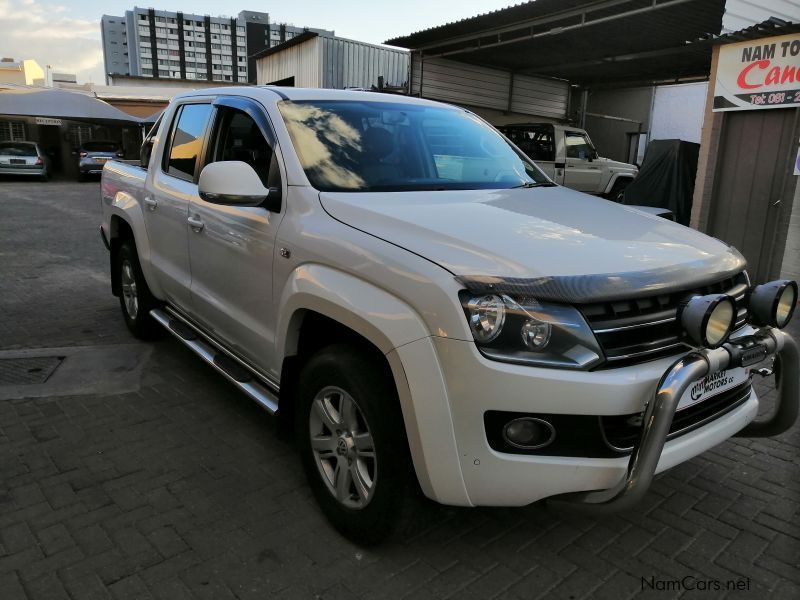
(578, 146)
(238, 137)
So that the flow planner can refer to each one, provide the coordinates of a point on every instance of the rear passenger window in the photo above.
(238, 137)
(187, 140)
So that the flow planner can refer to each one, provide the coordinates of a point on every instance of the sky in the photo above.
(66, 33)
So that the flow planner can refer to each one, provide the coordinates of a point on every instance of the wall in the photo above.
(301, 61)
(611, 136)
(352, 64)
(464, 84)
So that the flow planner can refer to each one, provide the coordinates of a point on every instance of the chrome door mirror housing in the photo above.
(237, 183)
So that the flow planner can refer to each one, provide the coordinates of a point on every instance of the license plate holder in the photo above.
(713, 385)
(18, 161)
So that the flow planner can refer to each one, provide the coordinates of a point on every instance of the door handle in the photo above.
(196, 224)
(151, 203)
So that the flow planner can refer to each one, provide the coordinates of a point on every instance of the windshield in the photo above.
(100, 146)
(17, 149)
(363, 146)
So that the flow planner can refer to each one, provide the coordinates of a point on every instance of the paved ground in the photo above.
(182, 489)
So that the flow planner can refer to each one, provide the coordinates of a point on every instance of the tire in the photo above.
(135, 299)
(617, 193)
(341, 376)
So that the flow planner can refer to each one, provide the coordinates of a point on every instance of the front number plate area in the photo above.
(713, 384)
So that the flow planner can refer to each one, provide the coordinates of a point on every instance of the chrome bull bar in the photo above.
(660, 410)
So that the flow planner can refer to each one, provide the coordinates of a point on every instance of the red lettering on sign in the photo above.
(789, 75)
(741, 81)
(774, 75)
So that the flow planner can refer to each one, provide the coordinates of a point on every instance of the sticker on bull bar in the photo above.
(711, 385)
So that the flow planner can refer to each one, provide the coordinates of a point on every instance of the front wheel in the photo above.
(135, 297)
(617, 193)
(352, 442)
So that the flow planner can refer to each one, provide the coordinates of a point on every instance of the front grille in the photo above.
(635, 331)
(621, 432)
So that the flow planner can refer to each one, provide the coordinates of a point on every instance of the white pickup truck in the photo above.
(568, 156)
(427, 310)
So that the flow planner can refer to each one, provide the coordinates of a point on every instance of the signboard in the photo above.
(48, 121)
(758, 74)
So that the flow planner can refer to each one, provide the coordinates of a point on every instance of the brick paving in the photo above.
(183, 490)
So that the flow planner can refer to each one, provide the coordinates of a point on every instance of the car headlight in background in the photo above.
(524, 331)
(772, 304)
(708, 320)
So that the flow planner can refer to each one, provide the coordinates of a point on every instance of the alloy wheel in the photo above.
(343, 448)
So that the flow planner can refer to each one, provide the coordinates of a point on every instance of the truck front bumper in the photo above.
(660, 410)
(475, 385)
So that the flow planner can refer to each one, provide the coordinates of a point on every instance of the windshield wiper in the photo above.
(534, 184)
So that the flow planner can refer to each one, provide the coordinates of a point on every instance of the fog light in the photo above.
(529, 433)
(772, 304)
(708, 320)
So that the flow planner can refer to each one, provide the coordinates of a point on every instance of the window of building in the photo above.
(160, 20)
(198, 23)
(143, 17)
(147, 71)
(12, 131)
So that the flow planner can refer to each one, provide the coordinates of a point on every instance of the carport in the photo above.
(62, 120)
(525, 58)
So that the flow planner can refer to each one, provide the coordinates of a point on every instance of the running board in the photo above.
(222, 362)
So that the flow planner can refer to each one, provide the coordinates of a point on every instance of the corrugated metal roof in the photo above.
(585, 41)
(771, 27)
(298, 39)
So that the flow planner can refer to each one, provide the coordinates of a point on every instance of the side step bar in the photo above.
(228, 365)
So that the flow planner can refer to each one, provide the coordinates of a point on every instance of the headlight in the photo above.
(522, 330)
(772, 304)
(708, 320)
(486, 316)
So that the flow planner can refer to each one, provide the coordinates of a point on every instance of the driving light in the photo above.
(772, 304)
(708, 320)
(536, 334)
(486, 317)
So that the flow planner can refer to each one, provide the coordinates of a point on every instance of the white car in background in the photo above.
(26, 159)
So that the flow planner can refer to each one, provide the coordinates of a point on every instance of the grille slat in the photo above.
(645, 329)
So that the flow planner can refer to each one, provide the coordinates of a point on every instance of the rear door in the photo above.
(172, 183)
(582, 172)
(232, 250)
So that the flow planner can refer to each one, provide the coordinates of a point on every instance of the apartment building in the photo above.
(176, 45)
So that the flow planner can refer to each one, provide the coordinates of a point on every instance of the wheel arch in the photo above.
(336, 306)
(615, 178)
(126, 221)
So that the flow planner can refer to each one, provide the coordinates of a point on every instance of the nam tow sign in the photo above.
(758, 74)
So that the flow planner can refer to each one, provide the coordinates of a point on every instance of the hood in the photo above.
(617, 165)
(537, 233)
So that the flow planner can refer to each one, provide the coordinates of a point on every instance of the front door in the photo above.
(754, 186)
(582, 172)
(232, 251)
(172, 185)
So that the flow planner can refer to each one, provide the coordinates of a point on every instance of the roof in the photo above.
(298, 39)
(47, 102)
(585, 41)
(272, 93)
(771, 27)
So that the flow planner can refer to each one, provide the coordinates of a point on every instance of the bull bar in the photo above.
(660, 410)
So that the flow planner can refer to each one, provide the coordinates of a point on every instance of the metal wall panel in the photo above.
(301, 62)
(348, 63)
(461, 83)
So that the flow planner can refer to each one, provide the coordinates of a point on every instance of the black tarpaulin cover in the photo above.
(666, 179)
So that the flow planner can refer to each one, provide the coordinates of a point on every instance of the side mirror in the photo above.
(235, 182)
